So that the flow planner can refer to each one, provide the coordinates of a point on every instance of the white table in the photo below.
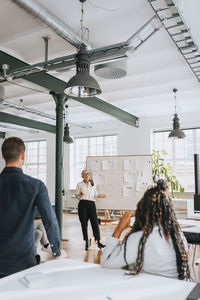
(183, 222)
(187, 222)
(74, 280)
(190, 229)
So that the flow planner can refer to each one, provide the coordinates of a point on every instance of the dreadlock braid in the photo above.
(181, 255)
(155, 209)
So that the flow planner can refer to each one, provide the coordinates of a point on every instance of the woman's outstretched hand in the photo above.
(102, 196)
(123, 224)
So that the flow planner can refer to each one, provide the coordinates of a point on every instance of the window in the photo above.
(89, 146)
(35, 159)
(180, 154)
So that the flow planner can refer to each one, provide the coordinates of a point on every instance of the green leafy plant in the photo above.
(163, 170)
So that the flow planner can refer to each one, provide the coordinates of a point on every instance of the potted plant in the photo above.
(163, 169)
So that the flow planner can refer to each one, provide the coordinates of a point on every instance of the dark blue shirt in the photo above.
(19, 194)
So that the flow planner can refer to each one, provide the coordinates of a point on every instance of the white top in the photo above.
(89, 192)
(159, 254)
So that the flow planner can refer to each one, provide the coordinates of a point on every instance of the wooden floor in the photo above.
(73, 243)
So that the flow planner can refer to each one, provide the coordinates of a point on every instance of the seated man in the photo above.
(155, 243)
(41, 237)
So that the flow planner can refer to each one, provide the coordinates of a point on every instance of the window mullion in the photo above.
(89, 147)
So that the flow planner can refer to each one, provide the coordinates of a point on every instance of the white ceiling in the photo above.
(154, 69)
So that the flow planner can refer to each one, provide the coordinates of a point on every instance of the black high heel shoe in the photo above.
(100, 245)
(86, 246)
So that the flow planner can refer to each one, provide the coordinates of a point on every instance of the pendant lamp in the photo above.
(176, 133)
(82, 84)
(66, 137)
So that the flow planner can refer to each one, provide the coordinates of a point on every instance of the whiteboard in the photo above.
(123, 179)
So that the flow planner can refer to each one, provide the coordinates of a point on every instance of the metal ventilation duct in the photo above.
(33, 111)
(112, 70)
(49, 20)
(16, 128)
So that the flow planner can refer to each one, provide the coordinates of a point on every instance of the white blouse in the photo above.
(159, 254)
(89, 192)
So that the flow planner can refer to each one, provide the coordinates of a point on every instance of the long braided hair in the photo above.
(155, 209)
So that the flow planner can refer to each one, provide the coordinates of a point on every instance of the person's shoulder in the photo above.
(29, 180)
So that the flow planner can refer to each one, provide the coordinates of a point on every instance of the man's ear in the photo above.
(22, 155)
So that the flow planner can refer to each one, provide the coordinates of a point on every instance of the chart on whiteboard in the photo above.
(123, 179)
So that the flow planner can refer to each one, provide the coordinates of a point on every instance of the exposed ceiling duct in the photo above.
(33, 111)
(27, 109)
(16, 128)
(49, 20)
(100, 55)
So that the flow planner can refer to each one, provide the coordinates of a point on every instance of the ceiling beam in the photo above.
(13, 119)
(103, 54)
(115, 51)
(47, 81)
(109, 109)
(53, 84)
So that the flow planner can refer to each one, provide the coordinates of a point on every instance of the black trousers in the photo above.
(87, 211)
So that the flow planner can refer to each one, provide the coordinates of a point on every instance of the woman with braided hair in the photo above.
(155, 243)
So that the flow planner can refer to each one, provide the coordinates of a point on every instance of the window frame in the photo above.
(174, 160)
(73, 151)
(38, 164)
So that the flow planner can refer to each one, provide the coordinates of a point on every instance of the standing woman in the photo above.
(86, 192)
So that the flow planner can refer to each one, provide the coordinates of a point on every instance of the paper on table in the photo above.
(128, 191)
(98, 178)
(95, 165)
(130, 164)
(33, 280)
(107, 165)
(129, 177)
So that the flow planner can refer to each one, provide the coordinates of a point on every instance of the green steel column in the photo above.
(60, 100)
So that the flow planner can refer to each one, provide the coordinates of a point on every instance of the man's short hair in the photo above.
(11, 149)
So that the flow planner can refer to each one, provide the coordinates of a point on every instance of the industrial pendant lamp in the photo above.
(176, 133)
(66, 137)
(82, 84)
